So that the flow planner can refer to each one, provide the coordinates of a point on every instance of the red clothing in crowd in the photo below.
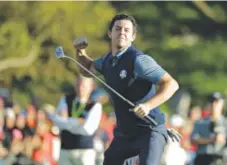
(45, 152)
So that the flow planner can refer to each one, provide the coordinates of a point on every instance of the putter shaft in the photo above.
(146, 118)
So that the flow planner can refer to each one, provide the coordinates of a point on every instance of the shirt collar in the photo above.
(120, 53)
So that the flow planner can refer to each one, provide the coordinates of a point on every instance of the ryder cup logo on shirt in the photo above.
(123, 74)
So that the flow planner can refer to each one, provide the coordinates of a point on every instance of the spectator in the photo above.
(2, 106)
(9, 127)
(16, 107)
(17, 156)
(209, 133)
(43, 152)
(174, 153)
(21, 125)
(3, 149)
(41, 115)
(194, 115)
(83, 117)
(31, 119)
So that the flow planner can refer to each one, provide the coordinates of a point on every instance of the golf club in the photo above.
(59, 52)
(174, 135)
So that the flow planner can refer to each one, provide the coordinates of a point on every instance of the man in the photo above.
(134, 75)
(209, 133)
(174, 152)
(80, 119)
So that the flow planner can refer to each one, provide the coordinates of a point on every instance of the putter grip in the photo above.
(147, 118)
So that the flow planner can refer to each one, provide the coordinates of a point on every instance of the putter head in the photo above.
(59, 53)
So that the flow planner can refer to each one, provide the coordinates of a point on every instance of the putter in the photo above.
(59, 53)
(173, 134)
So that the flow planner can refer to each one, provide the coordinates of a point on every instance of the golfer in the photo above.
(134, 75)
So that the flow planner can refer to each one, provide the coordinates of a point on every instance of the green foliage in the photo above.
(45, 25)
(185, 40)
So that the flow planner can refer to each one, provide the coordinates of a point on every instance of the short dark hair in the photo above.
(123, 17)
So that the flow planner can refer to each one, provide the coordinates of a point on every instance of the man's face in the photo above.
(217, 107)
(122, 34)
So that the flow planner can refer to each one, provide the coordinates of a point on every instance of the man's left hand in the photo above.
(141, 110)
(174, 135)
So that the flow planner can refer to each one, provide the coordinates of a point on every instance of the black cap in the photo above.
(215, 96)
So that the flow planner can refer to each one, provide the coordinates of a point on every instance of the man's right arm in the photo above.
(87, 62)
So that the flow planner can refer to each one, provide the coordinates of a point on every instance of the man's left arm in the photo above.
(167, 87)
(147, 68)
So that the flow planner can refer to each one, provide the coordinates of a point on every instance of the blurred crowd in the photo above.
(203, 133)
(28, 137)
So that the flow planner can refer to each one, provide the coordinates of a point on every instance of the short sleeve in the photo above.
(98, 64)
(147, 68)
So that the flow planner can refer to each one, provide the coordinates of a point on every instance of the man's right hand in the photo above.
(80, 45)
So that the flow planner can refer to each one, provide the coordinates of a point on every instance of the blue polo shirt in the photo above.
(202, 129)
(145, 73)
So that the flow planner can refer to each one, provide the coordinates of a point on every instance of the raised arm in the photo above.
(80, 45)
(92, 65)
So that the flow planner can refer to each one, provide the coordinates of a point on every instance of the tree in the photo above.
(187, 39)
(29, 33)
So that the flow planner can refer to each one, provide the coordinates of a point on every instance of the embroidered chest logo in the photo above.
(123, 74)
